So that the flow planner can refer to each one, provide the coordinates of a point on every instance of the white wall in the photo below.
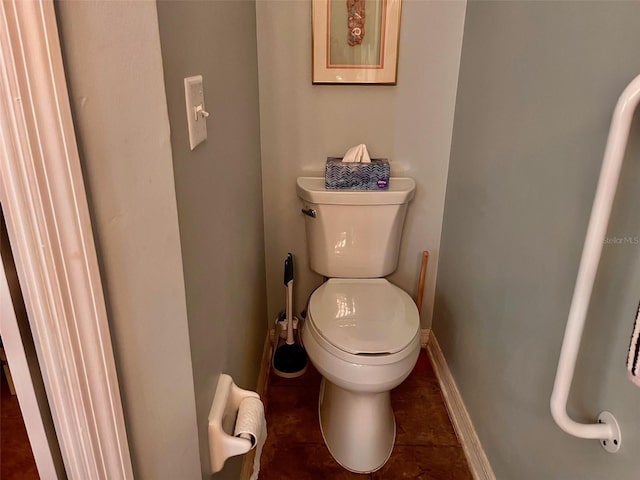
(301, 124)
(538, 85)
(219, 196)
(113, 64)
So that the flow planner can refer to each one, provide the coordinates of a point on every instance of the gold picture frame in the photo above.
(355, 41)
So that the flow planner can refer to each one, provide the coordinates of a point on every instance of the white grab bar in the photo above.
(607, 429)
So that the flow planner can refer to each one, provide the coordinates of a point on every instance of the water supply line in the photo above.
(606, 429)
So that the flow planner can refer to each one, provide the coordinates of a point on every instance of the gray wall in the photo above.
(113, 64)
(302, 124)
(538, 84)
(219, 194)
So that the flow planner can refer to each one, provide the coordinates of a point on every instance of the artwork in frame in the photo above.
(355, 41)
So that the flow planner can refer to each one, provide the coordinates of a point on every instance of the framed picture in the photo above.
(355, 41)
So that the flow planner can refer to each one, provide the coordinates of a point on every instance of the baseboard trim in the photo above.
(265, 364)
(424, 337)
(473, 451)
(261, 389)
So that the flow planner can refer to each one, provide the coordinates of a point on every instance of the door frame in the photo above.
(37, 422)
(47, 217)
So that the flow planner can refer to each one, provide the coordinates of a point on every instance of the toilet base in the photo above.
(358, 428)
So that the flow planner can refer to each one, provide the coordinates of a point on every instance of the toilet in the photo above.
(362, 333)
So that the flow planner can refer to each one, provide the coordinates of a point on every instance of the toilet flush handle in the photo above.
(309, 212)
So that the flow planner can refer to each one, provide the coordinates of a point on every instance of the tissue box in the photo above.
(356, 176)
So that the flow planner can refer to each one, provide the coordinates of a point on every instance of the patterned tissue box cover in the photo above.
(356, 176)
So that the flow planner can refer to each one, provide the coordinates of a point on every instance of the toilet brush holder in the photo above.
(289, 359)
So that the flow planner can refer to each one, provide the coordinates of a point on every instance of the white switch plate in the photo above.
(197, 122)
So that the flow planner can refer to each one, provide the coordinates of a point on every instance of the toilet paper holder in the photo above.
(222, 419)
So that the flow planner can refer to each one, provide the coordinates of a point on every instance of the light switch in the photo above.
(196, 112)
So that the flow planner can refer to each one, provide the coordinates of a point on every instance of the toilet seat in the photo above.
(364, 316)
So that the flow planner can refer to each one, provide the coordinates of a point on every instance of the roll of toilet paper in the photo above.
(249, 420)
(252, 425)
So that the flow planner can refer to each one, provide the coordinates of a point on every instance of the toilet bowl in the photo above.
(363, 336)
(362, 333)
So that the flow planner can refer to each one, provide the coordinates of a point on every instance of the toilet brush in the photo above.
(289, 359)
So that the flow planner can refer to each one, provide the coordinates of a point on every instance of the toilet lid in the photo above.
(364, 316)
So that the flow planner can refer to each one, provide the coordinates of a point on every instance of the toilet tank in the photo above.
(354, 233)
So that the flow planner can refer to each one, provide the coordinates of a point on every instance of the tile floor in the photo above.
(426, 445)
(16, 459)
